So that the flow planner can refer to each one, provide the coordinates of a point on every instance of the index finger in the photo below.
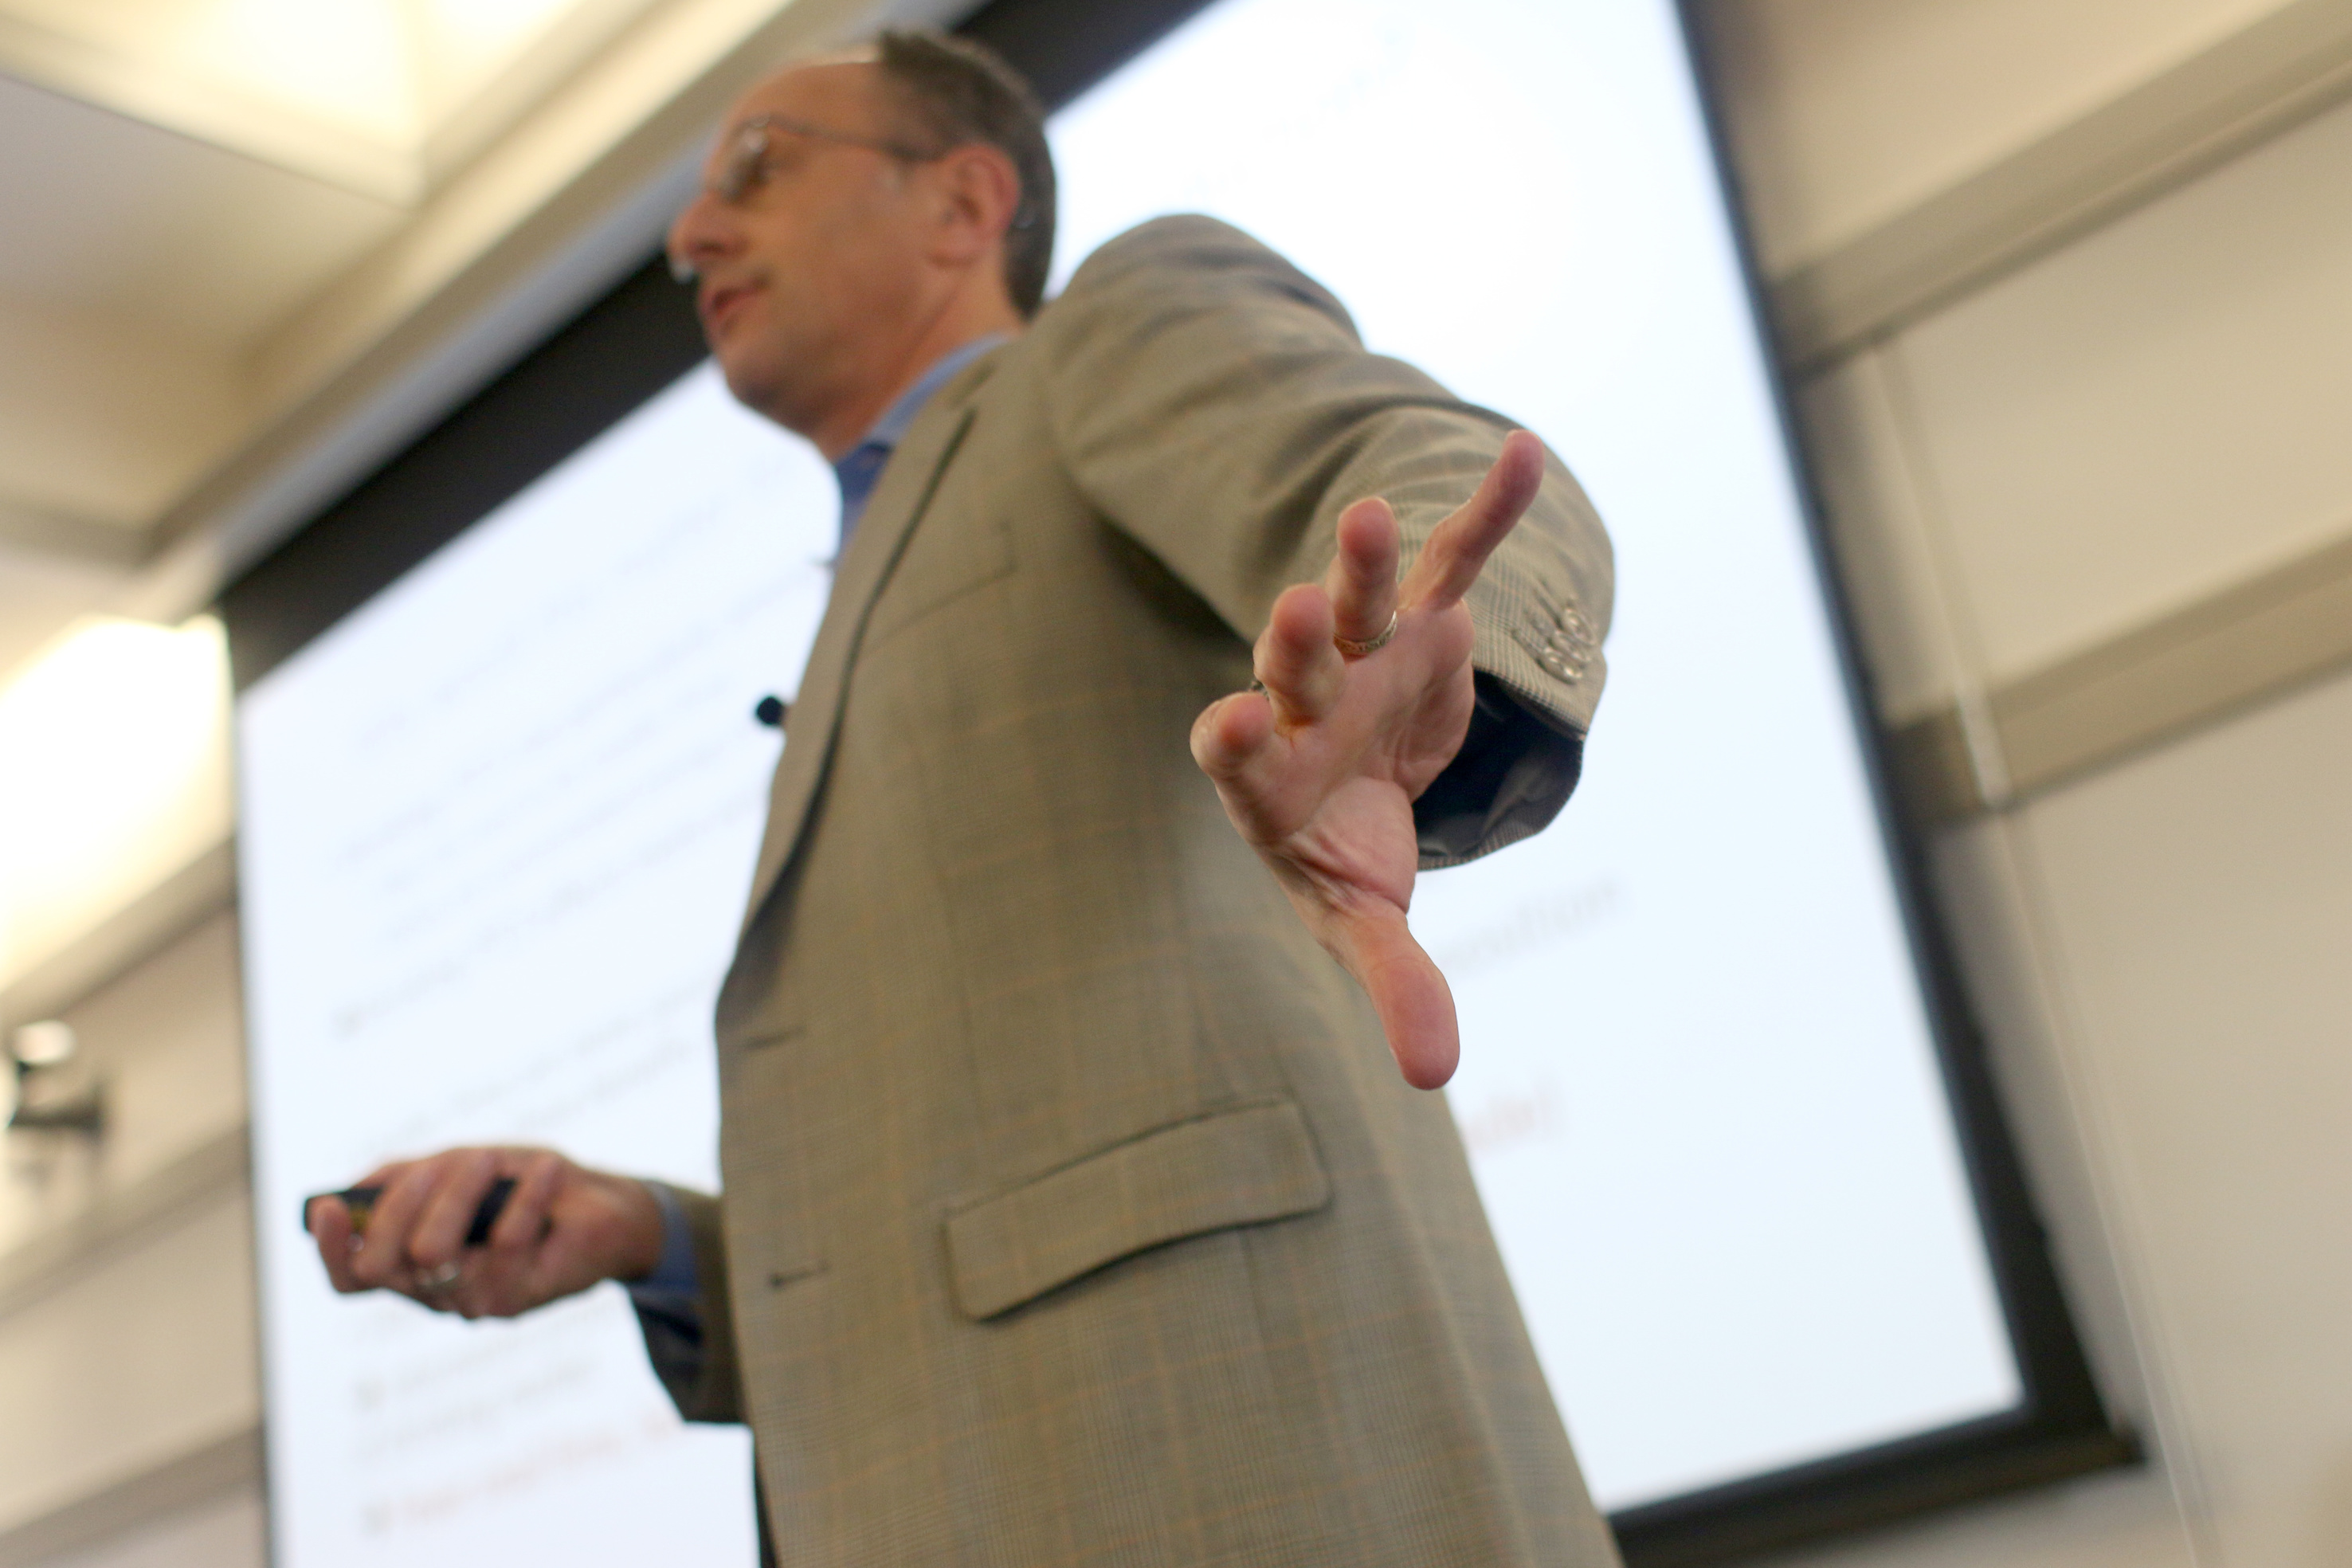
(331, 1226)
(1457, 552)
(447, 1217)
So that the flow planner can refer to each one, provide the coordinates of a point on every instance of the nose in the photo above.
(699, 235)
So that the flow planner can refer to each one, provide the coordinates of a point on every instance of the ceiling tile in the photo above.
(106, 213)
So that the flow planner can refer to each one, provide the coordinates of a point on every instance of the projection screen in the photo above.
(497, 823)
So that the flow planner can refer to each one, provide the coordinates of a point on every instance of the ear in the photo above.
(979, 191)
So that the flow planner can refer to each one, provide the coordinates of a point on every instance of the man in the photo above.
(1075, 1210)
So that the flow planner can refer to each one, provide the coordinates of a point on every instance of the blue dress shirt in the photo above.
(862, 464)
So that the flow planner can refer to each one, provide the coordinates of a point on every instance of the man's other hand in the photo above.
(565, 1228)
(1319, 770)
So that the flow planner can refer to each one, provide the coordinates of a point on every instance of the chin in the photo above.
(762, 386)
(746, 387)
(751, 378)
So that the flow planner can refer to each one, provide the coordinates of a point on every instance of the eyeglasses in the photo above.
(744, 168)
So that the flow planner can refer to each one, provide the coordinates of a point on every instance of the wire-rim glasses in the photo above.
(745, 168)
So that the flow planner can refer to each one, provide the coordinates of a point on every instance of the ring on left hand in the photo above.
(1354, 649)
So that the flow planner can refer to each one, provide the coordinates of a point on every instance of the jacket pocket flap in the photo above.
(1231, 1167)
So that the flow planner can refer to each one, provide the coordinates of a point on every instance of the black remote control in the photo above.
(361, 1201)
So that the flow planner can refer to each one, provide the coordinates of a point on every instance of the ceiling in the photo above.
(250, 246)
(187, 175)
(156, 231)
(377, 98)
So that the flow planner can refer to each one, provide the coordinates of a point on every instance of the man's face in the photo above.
(811, 275)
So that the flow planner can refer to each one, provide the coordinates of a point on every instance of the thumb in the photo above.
(1415, 1004)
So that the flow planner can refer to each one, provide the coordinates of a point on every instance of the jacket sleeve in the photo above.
(1214, 403)
(690, 1340)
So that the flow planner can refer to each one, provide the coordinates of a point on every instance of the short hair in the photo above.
(959, 92)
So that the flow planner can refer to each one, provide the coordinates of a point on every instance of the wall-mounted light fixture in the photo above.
(33, 1091)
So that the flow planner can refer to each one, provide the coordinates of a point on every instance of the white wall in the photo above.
(2198, 905)
(2147, 416)
(148, 1355)
(1849, 111)
(227, 1532)
(141, 1350)
(2155, 411)
(2166, 941)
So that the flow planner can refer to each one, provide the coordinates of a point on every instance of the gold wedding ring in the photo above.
(1355, 649)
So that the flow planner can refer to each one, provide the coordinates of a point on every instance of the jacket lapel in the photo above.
(898, 504)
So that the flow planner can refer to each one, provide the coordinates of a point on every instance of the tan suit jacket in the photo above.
(1075, 1211)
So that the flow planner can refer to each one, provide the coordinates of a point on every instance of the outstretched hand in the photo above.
(1319, 767)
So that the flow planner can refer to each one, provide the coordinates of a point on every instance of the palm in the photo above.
(1319, 771)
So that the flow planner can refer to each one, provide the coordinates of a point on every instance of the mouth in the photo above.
(721, 302)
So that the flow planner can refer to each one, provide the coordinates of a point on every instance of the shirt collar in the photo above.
(862, 464)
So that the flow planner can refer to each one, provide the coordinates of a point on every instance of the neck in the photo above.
(961, 319)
